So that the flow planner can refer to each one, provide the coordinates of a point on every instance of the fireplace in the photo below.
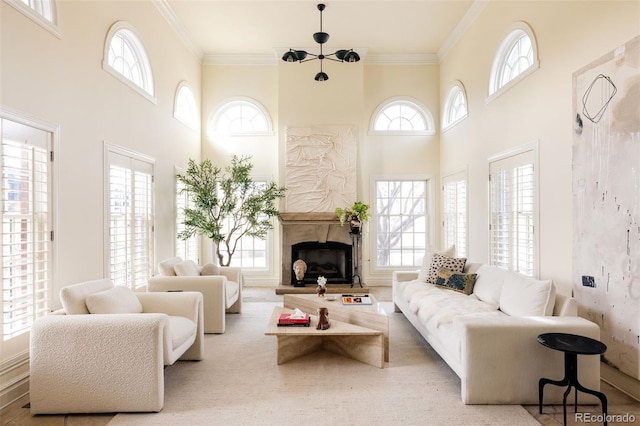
(331, 259)
(319, 240)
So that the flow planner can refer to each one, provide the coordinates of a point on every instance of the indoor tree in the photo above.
(226, 204)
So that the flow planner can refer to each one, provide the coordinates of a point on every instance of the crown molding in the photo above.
(456, 35)
(175, 23)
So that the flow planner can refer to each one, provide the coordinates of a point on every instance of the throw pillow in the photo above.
(210, 269)
(116, 300)
(457, 281)
(523, 296)
(439, 261)
(426, 260)
(73, 297)
(166, 266)
(188, 268)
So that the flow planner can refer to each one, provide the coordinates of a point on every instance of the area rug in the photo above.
(239, 383)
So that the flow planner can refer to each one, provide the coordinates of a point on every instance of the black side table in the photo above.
(572, 346)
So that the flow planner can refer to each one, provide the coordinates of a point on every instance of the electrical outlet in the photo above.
(588, 281)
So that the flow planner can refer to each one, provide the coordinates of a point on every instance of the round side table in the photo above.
(572, 345)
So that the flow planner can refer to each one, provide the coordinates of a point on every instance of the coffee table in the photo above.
(359, 343)
(369, 316)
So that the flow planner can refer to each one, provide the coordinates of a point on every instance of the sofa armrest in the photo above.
(234, 274)
(403, 276)
(502, 360)
(187, 304)
(97, 363)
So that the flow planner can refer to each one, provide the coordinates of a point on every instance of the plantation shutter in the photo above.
(454, 218)
(26, 226)
(511, 225)
(190, 248)
(131, 232)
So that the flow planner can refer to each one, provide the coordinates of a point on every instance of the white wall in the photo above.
(61, 81)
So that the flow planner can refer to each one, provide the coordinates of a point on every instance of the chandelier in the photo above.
(321, 38)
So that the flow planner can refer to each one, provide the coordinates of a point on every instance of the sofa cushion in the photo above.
(166, 267)
(73, 297)
(187, 268)
(426, 260)
(489, 283)
(524, 296)
(210, 269)
(181, 330)
(116, 300)
(439, 261)
(456, 281)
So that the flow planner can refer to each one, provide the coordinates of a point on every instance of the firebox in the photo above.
(332, 260)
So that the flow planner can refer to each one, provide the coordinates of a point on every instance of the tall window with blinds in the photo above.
(131, 219)
(454, 212)
(189, 248)
(26, 226)
(513, 213)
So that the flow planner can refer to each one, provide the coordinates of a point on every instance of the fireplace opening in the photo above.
(331, 259)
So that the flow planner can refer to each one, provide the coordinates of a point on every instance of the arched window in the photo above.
(455, 106)
(185, 108)
(517, 57)
(42, 12)
(402, 116)
(126, 58)
(240, 117)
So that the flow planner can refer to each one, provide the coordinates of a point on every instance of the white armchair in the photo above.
(112, 361)
(221, 288)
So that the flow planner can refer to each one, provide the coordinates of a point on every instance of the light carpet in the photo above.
(240, 383)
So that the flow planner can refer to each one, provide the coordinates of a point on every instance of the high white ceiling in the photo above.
(262, 27)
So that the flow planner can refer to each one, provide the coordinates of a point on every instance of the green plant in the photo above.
(226, 204)
(358, 210)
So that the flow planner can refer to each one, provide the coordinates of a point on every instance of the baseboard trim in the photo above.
(14, 375)
(620, 381)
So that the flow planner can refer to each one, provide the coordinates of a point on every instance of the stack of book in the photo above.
(356, 299)
(291, 320)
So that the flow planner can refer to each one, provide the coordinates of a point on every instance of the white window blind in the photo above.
(189, 248)
(26, 226)
(454, 214)
(131, 220)
(512, 215)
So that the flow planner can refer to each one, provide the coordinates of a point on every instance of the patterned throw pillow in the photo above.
(438, 261)
(457, 281)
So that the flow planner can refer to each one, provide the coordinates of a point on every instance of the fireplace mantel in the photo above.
(309, 218)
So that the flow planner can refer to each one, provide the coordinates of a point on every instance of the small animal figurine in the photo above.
(323, 319)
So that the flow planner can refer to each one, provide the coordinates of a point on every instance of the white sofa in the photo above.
(489, 338)
(105, 351)
(221, 288)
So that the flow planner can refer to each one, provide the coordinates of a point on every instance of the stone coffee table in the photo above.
(359, 343)
(369, 316)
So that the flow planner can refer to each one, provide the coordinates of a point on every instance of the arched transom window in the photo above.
(240, 117)
(126, 58)
(402, 116)
(516, 58)
(185, 108)
(455, 106)
(42, 12)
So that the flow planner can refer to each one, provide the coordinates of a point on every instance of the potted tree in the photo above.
(227, 204)
(355, 216)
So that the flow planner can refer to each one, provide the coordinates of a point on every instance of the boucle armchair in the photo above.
(105, 351)
(221, 288)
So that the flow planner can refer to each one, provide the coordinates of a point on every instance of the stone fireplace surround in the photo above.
(305, 227)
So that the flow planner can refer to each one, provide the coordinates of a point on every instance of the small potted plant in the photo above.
(321, 289)
(355, 216)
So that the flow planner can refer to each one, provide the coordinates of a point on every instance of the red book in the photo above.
(285, 318)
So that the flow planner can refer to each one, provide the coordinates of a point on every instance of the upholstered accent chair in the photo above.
(221, 287)
(106, 349)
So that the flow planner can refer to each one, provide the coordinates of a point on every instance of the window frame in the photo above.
(31, 12)
(213, 122)
(129, 34)
(515, 32)
(426, 114)
(182, 200)
(456, 88)
(462, 250)
(112, 152)
(19, 344)
(429, 217)
(519, 156)
(191, 122)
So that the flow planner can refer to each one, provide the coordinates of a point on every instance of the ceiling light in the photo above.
(321, 38)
